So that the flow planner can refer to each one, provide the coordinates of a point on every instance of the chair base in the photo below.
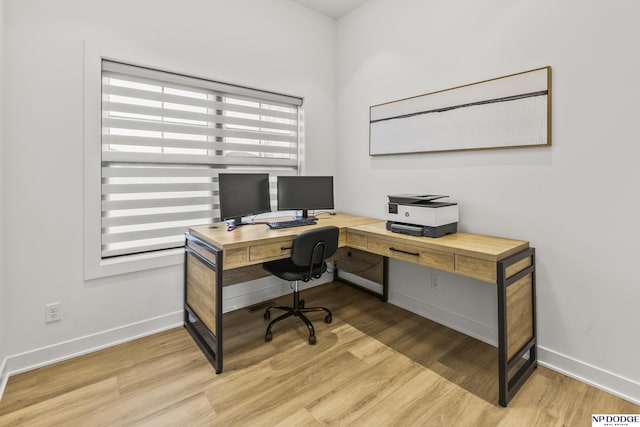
(298, 311)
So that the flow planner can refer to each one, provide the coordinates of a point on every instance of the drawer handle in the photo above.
(404, 252)
(285, 248)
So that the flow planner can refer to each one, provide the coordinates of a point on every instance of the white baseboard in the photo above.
(610, 382)
(472, 328)
(360, 281)
(47, 355)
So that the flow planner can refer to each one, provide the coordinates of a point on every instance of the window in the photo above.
(165, 138)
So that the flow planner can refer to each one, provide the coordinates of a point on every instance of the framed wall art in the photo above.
(509, 111)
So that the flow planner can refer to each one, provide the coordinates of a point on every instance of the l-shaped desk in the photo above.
(507, 263)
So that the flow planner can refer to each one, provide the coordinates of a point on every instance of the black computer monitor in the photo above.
(305, 193)
(243, 194)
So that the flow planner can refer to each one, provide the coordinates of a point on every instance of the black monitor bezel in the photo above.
(236, 216)
(305, 206)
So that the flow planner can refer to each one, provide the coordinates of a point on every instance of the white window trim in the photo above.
(94, 266)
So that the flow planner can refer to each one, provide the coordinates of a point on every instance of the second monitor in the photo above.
(305, 193)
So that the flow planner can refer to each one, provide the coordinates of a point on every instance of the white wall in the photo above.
(575, 202)
(274, 45)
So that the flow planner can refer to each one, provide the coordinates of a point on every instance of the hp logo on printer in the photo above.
(406, 214)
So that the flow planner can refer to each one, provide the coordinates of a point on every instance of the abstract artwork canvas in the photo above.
(509, 111)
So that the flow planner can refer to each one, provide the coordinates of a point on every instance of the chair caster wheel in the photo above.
(312, 339)
(267, 315)
(328, 318)
(268, 337)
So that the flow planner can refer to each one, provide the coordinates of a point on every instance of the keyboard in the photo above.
(292, 223)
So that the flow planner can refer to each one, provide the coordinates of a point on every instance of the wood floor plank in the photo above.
(472, 367)
(284, 386)
(150, 396)
(404, 408)
(302, 418)
(47, 382)
(374, 365)
(192, 411)
(77, 405)
(360, 398)
(367, 390)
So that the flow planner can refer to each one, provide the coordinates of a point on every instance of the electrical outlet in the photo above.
(52, 312)
(435, 283)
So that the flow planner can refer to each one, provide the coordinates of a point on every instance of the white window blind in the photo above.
(165, 138)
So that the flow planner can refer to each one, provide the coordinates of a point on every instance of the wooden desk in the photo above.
(508, 263)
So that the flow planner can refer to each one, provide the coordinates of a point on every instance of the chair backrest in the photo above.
(310, 248)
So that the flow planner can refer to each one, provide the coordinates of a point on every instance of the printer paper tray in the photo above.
(422, 230)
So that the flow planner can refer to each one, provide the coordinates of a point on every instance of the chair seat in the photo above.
(287, 270)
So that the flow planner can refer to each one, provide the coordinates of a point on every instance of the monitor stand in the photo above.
(305, 215)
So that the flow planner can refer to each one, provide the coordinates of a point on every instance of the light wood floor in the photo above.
(375, 365)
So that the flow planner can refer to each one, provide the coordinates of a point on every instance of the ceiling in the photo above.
(332, 8)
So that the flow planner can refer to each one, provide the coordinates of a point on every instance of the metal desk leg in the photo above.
(203, 298)
(517, 337)
(384, 296)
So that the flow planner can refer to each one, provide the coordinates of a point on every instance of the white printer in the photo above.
(421, 215)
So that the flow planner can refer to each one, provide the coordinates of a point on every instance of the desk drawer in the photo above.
(475, 267)
(235, 258)
(411, 253)
(269, 251)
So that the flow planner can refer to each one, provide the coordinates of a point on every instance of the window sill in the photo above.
(133, 263)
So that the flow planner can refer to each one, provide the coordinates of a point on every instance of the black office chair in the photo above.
(309, 251)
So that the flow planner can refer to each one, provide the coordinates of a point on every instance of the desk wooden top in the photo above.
(245, 235)
(476, 245)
